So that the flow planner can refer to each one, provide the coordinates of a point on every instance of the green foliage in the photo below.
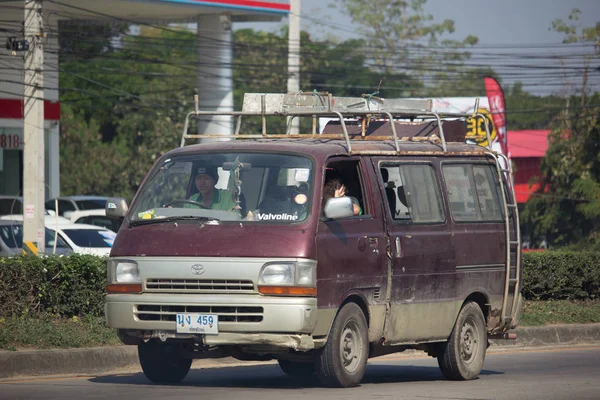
(561, 275)
(536, 313)
(402, 38)
(527, 111)
(46, 332)
(64, 286)
(131, 103)
(567, 208)
(88, 165)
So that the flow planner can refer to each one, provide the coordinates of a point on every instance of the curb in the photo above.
(102, 360)
(553, 335)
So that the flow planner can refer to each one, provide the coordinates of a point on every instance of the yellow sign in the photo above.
(476, 127)
(30, 248)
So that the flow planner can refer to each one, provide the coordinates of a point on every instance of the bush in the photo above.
(561, 275)
(57, 285)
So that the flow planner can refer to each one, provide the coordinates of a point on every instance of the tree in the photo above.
(566, 209)
(527, 111)
(401, 38)
(575, 33)
(89, 166)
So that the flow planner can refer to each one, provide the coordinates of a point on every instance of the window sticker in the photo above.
(150, 214)
(276, 217)
(301, 174)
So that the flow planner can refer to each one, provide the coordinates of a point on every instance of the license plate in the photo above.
(205, 324)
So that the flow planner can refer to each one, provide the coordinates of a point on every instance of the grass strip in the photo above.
(48, 332)
(550, 312)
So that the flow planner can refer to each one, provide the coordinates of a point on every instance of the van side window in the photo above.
(472, 192)
(348, 174)
(485, 178)
(412, 192)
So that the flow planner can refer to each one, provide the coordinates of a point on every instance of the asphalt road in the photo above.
(549, 373)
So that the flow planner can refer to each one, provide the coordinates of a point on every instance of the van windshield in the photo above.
(255, 187)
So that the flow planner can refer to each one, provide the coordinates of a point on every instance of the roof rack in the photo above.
(324, 104)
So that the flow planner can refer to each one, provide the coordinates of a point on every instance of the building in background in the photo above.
(527, 148)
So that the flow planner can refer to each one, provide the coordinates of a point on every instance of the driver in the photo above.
(208, 195)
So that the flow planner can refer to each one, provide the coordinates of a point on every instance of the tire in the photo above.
(462, 357)
(297, 368)
(163, 362)
(343, 361)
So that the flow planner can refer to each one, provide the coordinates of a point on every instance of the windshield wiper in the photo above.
(138, 222)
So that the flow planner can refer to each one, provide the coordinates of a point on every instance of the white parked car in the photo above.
(77, 238)
(95, 217)
(68, 204)
(11, 240)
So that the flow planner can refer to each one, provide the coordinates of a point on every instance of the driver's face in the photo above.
(204, 183)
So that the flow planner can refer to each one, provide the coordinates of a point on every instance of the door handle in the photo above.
(398, 247)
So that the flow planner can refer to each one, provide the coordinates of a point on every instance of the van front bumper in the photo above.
(251, 314)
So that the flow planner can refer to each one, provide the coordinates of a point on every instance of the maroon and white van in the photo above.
(431, 261)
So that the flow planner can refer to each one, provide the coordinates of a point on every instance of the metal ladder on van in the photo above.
(505, 174)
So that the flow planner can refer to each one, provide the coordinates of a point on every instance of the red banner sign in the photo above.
(496, 103)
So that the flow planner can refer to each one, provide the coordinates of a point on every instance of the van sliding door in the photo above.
(423, 305)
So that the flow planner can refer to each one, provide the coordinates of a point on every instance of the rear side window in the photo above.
(91, 204)
(472, 192)
(412, 193)
(10, 206)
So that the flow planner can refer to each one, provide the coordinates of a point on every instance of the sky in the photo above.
(520, 27)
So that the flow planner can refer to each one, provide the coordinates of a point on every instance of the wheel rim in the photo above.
(351, 346)
(469, 341)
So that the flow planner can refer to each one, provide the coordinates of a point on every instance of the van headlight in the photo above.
(289, 278)
(124, 277)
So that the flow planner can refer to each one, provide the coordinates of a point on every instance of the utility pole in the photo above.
(33, 132)
(293, 85)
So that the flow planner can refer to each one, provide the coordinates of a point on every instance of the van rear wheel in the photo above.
(297, 368)
(462, 357)
(343, 360)
(163, 362)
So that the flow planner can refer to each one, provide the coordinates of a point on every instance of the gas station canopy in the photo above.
(158, 10)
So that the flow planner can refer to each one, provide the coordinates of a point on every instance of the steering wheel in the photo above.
(185, 201)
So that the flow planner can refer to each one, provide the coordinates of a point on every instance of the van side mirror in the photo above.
(116, 207)
(338, 207)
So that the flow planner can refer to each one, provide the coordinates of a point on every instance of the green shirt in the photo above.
(222, 200)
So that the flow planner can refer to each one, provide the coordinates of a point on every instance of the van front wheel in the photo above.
(163, 362)
(343, 360)
(462, 357)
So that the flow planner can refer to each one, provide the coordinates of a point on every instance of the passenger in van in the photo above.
(207, 195)
(335, 188)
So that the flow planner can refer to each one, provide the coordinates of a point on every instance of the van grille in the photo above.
(155, 312)
(199, 285)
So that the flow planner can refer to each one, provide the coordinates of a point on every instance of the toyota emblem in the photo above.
(198, 269)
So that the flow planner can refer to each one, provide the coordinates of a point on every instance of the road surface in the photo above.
(537, 373)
